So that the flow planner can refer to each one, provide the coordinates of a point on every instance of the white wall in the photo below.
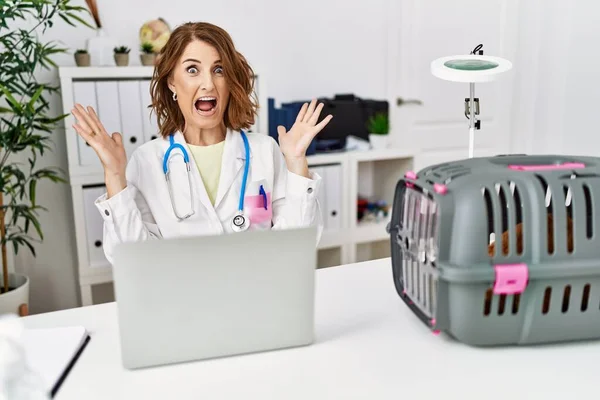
(308, 49)
(323, 47)
(557, 91)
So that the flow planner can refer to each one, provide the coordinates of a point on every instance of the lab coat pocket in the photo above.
(258, 205)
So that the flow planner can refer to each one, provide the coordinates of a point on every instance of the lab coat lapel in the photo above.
(232, 164)
(197, 185)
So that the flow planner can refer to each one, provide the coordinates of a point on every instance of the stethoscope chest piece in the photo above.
(240, 222)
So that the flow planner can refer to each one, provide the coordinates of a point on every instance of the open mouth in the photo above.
(206, 105)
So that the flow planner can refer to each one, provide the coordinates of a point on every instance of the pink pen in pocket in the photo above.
(259, 208)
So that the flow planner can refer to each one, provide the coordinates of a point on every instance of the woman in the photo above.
(201, 93)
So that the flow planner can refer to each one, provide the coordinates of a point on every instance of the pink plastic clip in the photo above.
(510, 278)
(410, 175)
(436, 332)
(440, 188)
(545, 167)
(433, 321)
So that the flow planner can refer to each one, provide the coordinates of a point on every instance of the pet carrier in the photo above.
(501, 250)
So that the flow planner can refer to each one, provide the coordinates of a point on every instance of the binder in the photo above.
(84, 93)
(94, 226)
(322, 198)
(149, 124)
(109, 107)
(332, 183)
(131, 112)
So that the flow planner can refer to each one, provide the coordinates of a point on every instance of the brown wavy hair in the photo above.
(242, 106)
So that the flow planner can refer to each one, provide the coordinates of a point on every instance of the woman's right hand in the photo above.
(109, 148)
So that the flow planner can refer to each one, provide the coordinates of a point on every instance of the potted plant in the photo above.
(378, 126)
(147, 57)
(82, 58)
(122, 56)
(25, 126)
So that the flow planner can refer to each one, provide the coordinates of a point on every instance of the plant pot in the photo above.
(147, 59)
(83, 59)
(16, 300)
(122, 60)
(379, 141)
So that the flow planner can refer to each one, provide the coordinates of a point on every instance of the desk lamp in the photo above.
(472, 68)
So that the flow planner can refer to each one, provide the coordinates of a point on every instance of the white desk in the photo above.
(369, 346)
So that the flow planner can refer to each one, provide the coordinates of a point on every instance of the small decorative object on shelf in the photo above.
(122, 56)
(371, 211)
(155, 32)
(147, 57)
(379, 127)
(99, 47)
(82, 58)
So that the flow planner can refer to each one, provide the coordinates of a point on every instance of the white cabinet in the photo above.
(94, 227)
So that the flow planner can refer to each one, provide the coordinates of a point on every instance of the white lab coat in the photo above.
(143, 210)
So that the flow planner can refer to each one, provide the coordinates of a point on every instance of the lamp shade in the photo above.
(470, 68)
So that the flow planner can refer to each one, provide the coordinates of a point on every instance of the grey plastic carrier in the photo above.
(538, 216)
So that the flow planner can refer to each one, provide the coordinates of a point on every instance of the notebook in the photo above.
(52, 352)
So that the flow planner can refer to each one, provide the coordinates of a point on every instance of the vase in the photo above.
(101, 48)
(121, 59)
(147, 59)
(82, 59)
(16, 300)
(378, 141)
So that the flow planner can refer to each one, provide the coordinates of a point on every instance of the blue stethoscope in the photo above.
(239, 222)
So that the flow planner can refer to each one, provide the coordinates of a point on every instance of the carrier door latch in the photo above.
(510, 278)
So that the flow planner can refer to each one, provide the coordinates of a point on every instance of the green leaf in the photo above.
(35, 96)
(11, 99)
(32, 186)
(80, 20)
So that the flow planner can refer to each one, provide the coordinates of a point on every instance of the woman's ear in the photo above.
(170, 83)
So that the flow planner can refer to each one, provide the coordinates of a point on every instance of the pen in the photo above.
(262, 192)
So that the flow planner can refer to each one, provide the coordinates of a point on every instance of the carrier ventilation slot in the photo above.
(547, 298)
(549, 220)
(490, 221)
(588, 212)
(585, 298)
(419, 244)
(504, 242)
(503, 303)
(569, 210)
(566, 299)
(509, 203)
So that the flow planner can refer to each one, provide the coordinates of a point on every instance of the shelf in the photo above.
(381, 155)
(370, 232)
(96, 275)
(106, 72)
(328, 158)
(331, 239)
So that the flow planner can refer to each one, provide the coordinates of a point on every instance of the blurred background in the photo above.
(373, 55)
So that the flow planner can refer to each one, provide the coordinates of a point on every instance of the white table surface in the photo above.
(369, 346)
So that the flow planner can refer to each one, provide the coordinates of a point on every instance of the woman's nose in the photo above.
(206, 82)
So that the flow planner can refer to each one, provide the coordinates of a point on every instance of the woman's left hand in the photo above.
(295, 142)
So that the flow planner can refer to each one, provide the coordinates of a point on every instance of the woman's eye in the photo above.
(192, 70)
(219, 70)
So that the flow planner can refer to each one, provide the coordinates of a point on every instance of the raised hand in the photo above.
(295, 142)
(109, 148)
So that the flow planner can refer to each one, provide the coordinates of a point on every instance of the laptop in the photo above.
(196, 298)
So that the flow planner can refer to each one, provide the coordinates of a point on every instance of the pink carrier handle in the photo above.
(545, 167)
